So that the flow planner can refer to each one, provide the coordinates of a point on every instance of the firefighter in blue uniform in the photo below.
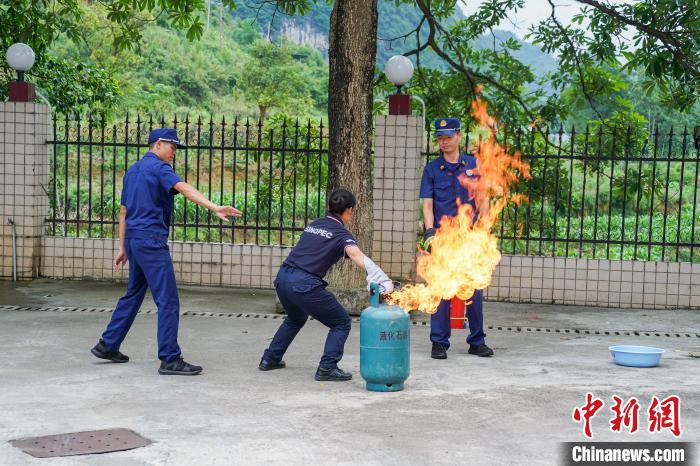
(302, 290)
(149, 187)
(440, 188)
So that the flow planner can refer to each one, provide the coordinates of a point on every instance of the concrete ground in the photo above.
(514, 408)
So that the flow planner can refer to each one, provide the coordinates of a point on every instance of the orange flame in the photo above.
(465, 253)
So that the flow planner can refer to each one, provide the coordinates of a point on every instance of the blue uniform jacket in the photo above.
(321, 245)
(147, 194)
(440, 182)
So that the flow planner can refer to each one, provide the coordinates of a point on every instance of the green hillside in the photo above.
(394, 22)
(234, 69)
(218, 74)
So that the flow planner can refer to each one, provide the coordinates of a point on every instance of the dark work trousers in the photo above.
(302, 295)
(150, 266)
(440, 321)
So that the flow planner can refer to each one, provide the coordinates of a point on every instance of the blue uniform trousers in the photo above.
(150, 266)
(440, 321)
(303, 294)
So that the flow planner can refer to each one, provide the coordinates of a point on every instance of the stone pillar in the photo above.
(397, 172)
(24, 174)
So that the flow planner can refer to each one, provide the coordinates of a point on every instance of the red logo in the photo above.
(665, 414)
(662, 414)
(625, 416)
(586, 412)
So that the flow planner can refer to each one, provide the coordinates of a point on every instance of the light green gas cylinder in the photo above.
(385, 337)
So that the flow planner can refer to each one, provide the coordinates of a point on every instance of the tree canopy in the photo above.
(652, 39)
(610, 57)
(272, 78)
(40, 23)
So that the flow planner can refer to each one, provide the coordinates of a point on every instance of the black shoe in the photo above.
(101, 352)
(480, 350)
(332, 375)
(439, 351)
(178, 367)
(268, 366)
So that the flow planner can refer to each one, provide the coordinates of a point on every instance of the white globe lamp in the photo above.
(398, 70)
(21, 58)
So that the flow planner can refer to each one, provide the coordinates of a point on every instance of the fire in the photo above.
(465, 253)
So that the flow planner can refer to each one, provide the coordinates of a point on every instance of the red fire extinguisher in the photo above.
(457, 313)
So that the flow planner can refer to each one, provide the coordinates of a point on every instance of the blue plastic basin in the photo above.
(636, 356)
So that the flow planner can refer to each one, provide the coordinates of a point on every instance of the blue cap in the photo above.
(446, 126)
(165, 134)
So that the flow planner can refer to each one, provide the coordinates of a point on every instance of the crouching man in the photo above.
(302, 290)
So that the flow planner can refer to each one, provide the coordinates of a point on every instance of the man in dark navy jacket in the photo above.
(302, 290)
(149, 187)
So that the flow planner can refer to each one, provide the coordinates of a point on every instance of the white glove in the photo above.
(377, 275)
(386, 287)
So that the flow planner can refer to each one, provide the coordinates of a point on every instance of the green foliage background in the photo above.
(233, 70)
(168, 74)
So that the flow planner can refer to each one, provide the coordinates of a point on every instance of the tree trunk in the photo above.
(352, 54)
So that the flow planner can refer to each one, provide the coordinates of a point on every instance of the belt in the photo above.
(138, 234)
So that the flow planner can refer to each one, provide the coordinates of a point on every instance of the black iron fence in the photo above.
(601, 193)
(275, 174)
(615, 193)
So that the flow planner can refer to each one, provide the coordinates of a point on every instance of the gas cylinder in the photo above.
(385, 337)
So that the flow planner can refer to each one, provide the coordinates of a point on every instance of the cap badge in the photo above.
(443, 123)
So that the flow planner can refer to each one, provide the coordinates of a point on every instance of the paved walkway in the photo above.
(514, 408)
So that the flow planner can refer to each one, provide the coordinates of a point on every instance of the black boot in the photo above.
(332, 375)
(439, 351)
(101, 352)
(268, 366)
(178, 367)
(480, 350)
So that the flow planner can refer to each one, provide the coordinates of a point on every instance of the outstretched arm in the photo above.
(374, 273)
(191, 193)
(356, 256)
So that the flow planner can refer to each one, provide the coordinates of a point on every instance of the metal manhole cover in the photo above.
(81, 443)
